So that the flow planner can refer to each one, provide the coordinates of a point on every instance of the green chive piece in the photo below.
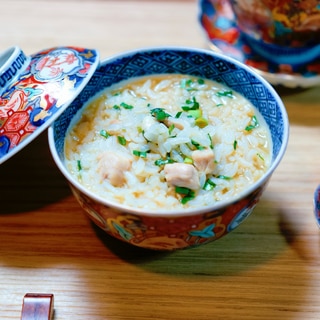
(122, 140)
(186, 199)
(170, 129)
(178, 115)
(159, 114)
(209, 185)
(191, 105)
(195, 113)
(253, 124)
(224, 177)
(141, 154)
(260, 156)
(211, 143)
(201, 122)
(186, 83)
(126, 106)
(235, 144)
(162, 162)
(188, 160)
(79, 166)
(188, 194)
(197, 145)
(182, 190)
(104, 134)
(224, 93)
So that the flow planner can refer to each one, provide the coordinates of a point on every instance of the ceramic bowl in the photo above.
(35, 90)
(183, 228)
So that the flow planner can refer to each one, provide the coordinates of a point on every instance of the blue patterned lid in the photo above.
(36, 89)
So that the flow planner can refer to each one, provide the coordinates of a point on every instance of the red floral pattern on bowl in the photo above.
(35, 90)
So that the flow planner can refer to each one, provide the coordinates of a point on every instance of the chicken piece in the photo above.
(182, 175)
(203, 160)
(112, 165)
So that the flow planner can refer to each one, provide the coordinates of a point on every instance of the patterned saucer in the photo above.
(35, 90)
(217, 21)
(316, 204)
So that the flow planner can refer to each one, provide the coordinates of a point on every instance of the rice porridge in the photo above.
(167, 142)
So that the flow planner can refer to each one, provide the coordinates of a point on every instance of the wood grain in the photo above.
(268, 268)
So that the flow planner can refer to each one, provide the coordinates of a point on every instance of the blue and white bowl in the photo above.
(183, 228)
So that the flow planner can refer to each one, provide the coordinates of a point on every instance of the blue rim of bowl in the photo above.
(183, 211)
(218, 25)
(316, 203)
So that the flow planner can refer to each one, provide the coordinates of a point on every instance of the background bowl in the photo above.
(161, 230)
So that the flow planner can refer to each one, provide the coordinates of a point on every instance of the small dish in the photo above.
(35, 90)
(217, 21)
(316, 203)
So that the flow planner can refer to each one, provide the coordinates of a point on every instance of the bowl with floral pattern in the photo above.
(166, 228)
(35, 90)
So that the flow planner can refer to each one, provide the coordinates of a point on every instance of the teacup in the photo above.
(281, 31)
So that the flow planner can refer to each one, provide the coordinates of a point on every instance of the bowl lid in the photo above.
(36, 89)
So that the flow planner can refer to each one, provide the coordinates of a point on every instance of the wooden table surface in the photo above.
(268, 268)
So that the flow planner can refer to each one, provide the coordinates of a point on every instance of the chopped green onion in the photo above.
(186, 199)
(122, 140)
(159, 114)
(188, 160)
(126, 106)
(201, 122)
(210, 139)
(195, 113)
(253, 124)
(123, 105)
(188, 194)
(260, 156)
(185, 83)
(209, 185)
(197, 145)
(141, 154)
(224, 177)
(224, 93)
(191, 105)
(178, 115)
(200, 81)
(79, 167)
(235, 144)
(183, 190)
(104, 134)
(170, 129)
(162, 162)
